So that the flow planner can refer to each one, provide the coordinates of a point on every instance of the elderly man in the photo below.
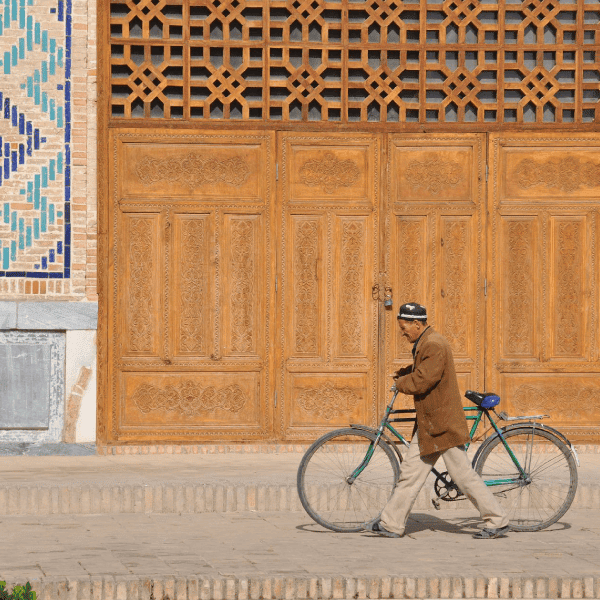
(441, 430)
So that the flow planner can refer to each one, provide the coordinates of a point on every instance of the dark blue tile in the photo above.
(21, 154)
(59, 247)
(44, 262)
(15, 117)
(16, 274)
(21, 123)
(36, 139)
(7, 108)
(51, 256)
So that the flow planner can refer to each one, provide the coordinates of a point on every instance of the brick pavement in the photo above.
(262, 555)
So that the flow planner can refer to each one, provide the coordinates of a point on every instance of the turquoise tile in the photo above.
(52, 109)
(5, 258)
(15, 11)
(44, 71)
(52, 172)
(59, 157)
(21, 242)
(38, 32)
(22, 14)
(30, 33)
(44, 41)
(13, 221)
(44, 179)
(21, 225)
(51, 214)
(13, 250)
(52, 64)
(36, 196)
(15, 56)
(28, 237)
(45, 102)
(7, 63)
(59, 120)
(44, 214)
(36, 229)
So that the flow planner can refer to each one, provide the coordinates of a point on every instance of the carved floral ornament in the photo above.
(328, 401)
(189, 398)
(329, 173)
(193, 170)
(566, 174)
(433, 173)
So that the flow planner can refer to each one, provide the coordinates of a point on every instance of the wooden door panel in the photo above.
(350, 262)
(140, 297)
(436, 247)
(329, 193)
(543, 313)
(306, 269)
(457, 313)
(519, 286)
(175, 170)
(243, 302)
(185, 399)
(192, 285)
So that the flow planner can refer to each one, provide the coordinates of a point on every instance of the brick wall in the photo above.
(48, 154)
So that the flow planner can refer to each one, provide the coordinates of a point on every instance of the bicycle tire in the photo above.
(552, 470)
(326, 495)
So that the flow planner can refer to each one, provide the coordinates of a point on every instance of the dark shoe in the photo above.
(490, 534)
(376, 527)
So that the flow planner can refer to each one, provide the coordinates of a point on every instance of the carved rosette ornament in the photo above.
(140, 285)
(242, 285)
(306, 288)
(328, 401)
(566, 174)
(433, 173)
(189, 398)
(193, 170)
(569, 401)
(193, 269)
(329, 173)
(352, 292)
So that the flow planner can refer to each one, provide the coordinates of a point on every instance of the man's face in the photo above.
(411, 330)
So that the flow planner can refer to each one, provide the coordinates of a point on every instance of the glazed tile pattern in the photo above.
(35, 138)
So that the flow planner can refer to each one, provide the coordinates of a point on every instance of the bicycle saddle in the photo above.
(483, 399)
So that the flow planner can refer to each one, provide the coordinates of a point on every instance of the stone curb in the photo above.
(133, 587)
(188, 498)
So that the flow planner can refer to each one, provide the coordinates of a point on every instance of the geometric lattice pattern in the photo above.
(456, 61)
(35, 99)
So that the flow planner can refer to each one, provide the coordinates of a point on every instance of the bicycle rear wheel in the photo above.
(537, 502)
(324, 490)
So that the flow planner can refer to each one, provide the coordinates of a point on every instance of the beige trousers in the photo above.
(414, 472)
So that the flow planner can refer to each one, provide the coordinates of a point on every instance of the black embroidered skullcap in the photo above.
(413, 312)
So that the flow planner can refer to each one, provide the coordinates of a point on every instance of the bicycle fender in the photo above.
(537, 425)
(385, 437)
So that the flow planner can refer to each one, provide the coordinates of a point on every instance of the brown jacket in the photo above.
(432, 381)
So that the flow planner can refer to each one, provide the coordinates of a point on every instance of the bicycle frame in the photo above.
(476, 418)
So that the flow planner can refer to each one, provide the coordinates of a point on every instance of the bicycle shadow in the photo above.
(431, 523)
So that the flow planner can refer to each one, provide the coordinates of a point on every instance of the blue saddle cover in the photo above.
(483, 399)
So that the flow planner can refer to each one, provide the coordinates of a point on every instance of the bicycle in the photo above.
(348, 475)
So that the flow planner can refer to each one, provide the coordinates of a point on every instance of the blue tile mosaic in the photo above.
(35, 138)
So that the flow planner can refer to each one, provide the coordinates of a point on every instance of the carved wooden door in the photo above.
(190, 285)
(329, 194)
(543, 357)
(435, 246)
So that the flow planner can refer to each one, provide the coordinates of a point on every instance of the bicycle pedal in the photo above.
(436, 504)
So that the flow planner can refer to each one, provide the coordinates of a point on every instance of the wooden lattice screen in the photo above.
(345, 61)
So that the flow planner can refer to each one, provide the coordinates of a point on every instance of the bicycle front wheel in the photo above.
(542, 497)
(323, 485)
